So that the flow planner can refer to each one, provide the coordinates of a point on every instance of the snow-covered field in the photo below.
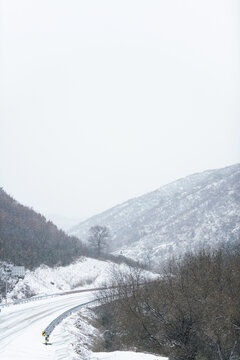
(85, 273)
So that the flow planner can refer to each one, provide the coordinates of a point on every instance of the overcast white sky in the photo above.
(102, 101)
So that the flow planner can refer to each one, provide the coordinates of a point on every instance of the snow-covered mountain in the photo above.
(200, 210)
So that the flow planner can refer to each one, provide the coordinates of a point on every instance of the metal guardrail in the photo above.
(35, 298)
(22, 301)
(49, 329)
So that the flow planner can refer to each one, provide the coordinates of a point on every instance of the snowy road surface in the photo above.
(21, 328)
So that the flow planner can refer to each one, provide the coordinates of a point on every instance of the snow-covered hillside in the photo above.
(83, 274)
(79, 330)
(199, 210)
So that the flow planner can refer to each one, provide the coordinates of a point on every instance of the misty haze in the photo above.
(120, 180)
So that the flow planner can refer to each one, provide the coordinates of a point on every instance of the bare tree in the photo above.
(191, 313)
(98, 238)
(148, 257)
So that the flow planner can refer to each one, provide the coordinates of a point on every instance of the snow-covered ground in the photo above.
(125, 355)
(85, 334)
(85, 273)
(21, 329)
(21, 325)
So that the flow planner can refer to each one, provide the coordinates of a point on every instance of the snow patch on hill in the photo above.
(80, 336)
(83, 274)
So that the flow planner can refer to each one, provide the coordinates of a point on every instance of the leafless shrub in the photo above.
(192, 313)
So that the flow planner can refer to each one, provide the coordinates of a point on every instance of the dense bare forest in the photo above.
(191, 313)
(27, 238)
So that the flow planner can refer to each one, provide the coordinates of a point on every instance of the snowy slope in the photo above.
(199, 210)
(83, 274)
(79, 338)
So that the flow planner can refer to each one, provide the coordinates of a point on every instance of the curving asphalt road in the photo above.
(21, 326)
